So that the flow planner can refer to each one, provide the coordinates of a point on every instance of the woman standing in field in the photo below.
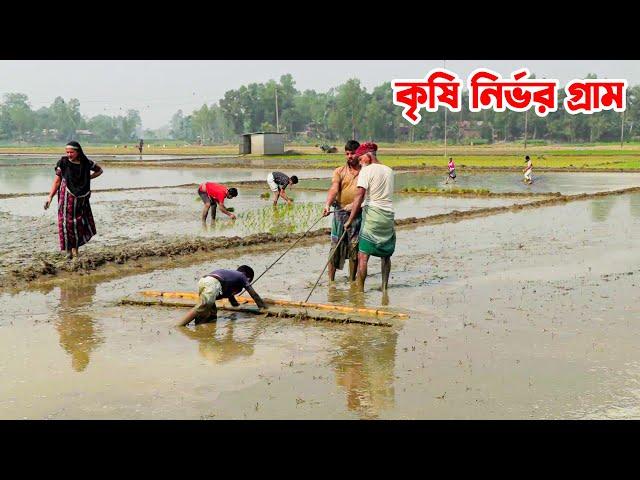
(72, 183)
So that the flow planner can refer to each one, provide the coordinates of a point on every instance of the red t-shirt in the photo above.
(214, 190)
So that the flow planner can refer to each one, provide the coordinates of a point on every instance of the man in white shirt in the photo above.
(377, 232)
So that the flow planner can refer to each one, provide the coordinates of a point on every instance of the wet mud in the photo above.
(530, 314)
(516, 311)
(48, 263)
(132, 220)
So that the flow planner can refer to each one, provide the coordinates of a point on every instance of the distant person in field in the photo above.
(452, 171)
(214, 194)
(72, 183)
(278, 182)
(377, 233)
(340, 196)
(217, 285)
(528, 170)
(140, 146)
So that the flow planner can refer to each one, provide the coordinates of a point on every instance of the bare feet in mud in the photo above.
(385, 298)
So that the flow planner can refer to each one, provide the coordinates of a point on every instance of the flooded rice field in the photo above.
(129, 216)
(519, 315)
(565, 183)
(27, 179)
(513, 314)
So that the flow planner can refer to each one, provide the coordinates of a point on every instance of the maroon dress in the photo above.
(75, 219)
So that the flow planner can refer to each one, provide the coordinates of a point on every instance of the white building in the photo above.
(262, 143)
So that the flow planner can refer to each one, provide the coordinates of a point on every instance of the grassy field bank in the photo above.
(580, 156)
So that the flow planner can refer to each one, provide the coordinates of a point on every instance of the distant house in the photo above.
(262, 143)
(84, 132)
(49, 131)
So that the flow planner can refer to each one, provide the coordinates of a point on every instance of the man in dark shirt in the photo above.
(278, 182)
(220, 284)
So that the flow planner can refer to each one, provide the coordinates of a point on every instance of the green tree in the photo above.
(201, 121)
(104, 128)
(128, 125)
(20, 116)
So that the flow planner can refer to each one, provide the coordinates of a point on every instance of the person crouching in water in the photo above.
(377, 232)
(278, 182)
(215, 194)
(220, 284)
(452, 171)
(340, 196)
(528, 170)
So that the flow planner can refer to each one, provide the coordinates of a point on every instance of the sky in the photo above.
(158, 88)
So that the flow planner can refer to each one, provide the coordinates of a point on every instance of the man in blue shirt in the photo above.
(220, 284)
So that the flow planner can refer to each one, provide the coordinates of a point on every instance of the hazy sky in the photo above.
(158, 88)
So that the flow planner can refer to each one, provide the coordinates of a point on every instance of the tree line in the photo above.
(62, 121)
(349, 111)
(343, 112)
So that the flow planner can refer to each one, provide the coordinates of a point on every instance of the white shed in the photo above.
(262, 143)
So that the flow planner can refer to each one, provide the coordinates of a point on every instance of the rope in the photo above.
(287, 250)
(326, 264)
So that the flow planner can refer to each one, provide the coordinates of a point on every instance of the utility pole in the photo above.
(277, 118)
(445, 119)
(622, 131)
(526, 117)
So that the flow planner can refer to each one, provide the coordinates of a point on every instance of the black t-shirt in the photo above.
(232, 281)
(76, 175)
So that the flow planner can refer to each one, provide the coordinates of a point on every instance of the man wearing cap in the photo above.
(377, 232)
(215, 194)
(340, 196)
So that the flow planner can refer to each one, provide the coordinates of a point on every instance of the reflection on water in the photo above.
(352, 296)
(364, 359)
(78, 333)
(345, 296)
(219, 344)
(601, 208)
(364, 362)
(634, 205)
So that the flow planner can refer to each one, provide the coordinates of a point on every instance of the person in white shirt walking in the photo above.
(528, 170)
(377, 232)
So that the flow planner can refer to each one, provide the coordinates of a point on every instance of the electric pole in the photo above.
(277, 118)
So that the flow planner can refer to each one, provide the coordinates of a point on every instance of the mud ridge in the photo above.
(130, 189)
(246, 183)
(512, 168)
(51, 264)
(456, 215)
(485, 195)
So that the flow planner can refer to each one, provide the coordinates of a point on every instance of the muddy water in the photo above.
(27, 179)
(520, 315)
(126, 217)
(565, 183)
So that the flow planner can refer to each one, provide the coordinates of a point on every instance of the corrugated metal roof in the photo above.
(262, 133)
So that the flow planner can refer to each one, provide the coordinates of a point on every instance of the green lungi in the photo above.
(377, 233)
